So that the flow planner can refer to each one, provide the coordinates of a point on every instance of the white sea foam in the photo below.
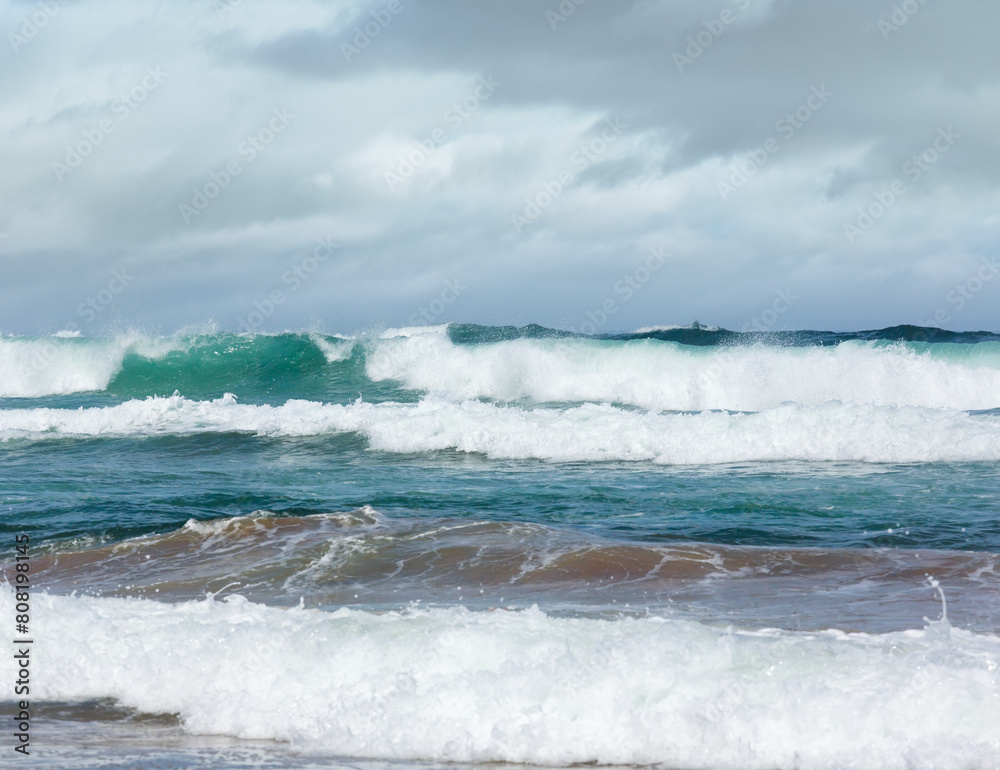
(335, 348)
(31, 368)
(454, 685)
(667, 376)
(66, 363)
(649, 374)
(841, 432)
(674, 327)
(432, 330)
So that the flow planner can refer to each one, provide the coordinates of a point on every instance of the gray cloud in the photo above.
(690, 126)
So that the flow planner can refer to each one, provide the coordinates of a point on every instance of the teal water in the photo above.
(111, 489)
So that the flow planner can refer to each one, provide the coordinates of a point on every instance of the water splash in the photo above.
(941, 624)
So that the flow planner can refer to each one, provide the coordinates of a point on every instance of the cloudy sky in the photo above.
(352, 165)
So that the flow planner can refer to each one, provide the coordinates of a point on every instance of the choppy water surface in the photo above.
(687, 547)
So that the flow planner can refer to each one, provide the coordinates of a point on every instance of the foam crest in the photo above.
(68, 363)
(652, 374)
(334, 349)
(455, 685)
(267, 523)
(603, 433)
(837, 432)
(449, 362)
(41, 367)
(432, 330)
(674, 327)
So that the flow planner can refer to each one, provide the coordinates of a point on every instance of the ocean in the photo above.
(466, 545)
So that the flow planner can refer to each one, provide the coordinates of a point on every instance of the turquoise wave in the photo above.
(271, 368)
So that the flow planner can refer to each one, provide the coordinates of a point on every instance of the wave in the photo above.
(668, 376)
(30, 368)
(363, 557)
(701, 335)
(525, 686)
(831, 432)
(135, 364)
(650, 370)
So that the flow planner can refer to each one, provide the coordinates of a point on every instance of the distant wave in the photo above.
(657, 370)
(653, 374)
(701, 335)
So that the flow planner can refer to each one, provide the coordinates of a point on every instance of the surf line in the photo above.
(22, 658)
